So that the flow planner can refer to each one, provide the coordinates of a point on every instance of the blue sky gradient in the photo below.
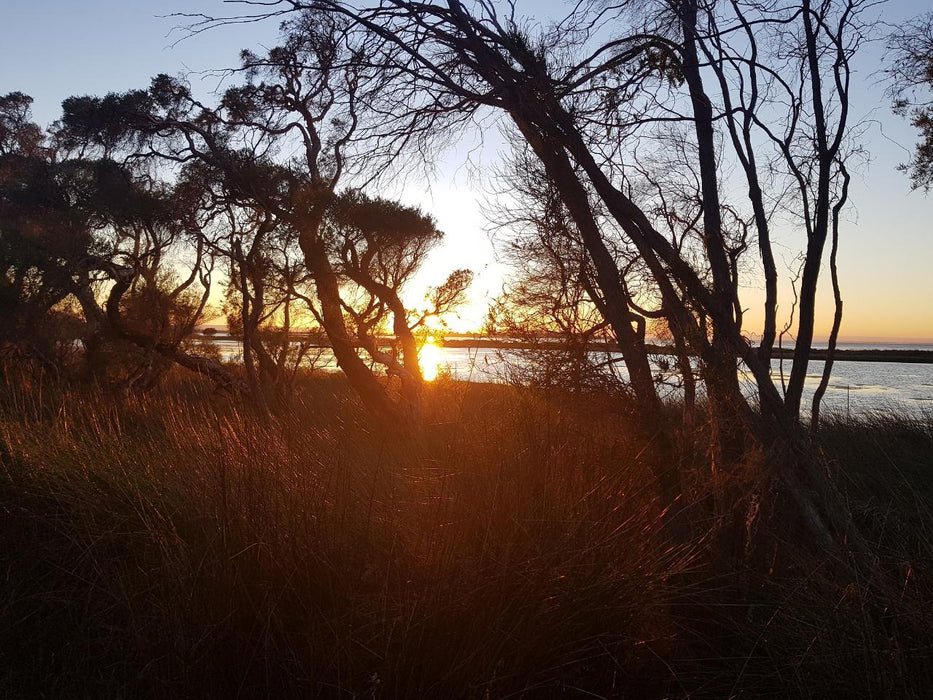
(52, 49)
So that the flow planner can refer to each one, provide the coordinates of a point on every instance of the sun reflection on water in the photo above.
(430, 359)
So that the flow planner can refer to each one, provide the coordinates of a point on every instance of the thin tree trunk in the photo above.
(837, 315)
(818, 234)
(610, 285)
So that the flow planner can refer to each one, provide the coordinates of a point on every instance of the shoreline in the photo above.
(848, 355)
(900, 355)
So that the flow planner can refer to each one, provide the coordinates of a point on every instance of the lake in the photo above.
(855, 387)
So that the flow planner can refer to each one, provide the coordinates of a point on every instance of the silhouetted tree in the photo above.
(149, 239)
(765, 86)
(258, 256)
(42, 239)
(379, 246)
(320, 97)
(77, 225)
(554, 290)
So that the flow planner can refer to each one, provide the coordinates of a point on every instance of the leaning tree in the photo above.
(758, 94)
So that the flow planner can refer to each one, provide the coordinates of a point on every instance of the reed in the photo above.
(180, 545)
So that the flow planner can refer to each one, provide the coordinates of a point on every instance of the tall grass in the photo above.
(179, 545)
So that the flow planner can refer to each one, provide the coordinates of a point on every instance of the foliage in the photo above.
(910, 75)
(79, 230)
(271, 154)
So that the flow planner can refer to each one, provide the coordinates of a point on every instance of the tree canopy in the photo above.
(910, 73)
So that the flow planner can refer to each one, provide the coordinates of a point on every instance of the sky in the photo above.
(52, 49)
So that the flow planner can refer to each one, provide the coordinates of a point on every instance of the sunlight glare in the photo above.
(430, 359)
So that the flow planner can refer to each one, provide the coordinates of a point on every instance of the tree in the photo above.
(145, 240)
(380, 245)
(554, 291)
(762, 86)
(261, 303)
(45, 235)
(76, 225)
(910, 76)
(317, 96)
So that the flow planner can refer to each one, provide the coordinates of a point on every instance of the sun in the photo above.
(429, 359)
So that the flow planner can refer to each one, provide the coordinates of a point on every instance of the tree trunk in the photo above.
(616, 303)
(361, 378)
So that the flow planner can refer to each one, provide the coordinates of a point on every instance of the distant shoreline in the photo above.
(903, 355)
(848, 355)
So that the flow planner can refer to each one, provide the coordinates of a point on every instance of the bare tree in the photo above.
(552, 294)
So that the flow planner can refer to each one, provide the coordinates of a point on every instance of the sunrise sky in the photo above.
(52, 49)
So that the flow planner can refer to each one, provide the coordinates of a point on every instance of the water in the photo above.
(854, 388)
(859, 387)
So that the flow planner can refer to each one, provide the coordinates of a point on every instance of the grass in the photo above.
(177, 546)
